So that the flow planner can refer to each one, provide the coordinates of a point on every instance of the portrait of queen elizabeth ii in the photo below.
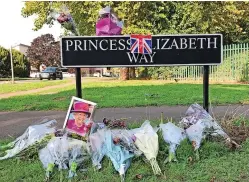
(79, 117)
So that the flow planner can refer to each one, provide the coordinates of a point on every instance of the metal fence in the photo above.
(234, 67)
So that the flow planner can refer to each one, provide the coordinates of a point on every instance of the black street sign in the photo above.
(167, 50)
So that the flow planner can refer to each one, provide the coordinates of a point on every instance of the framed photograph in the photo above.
(79, 116)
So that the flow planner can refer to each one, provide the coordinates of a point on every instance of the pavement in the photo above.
(13, 124)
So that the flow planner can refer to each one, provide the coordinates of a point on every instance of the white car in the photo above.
(67, 75)
(96, 74)
(34, 75)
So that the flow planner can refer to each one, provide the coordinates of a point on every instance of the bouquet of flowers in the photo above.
(114, 124)
(47, 160)
(120, 157)
(195, 134)
(195, 113)
(63, 17)
(77, 154)
(34, 137)
(125, 139)
(58, 148)
(173, 135)
(147, 141)
(108, 23)
(96, 141)
(199, 124)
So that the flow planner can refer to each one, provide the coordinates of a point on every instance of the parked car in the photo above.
(107, 74)
(97, 74)
(34, 75)
(67, 75)
(51, 72)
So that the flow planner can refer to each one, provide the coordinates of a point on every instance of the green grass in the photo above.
(17, 78)
(9, 87)
(217, 161)
(129, 94)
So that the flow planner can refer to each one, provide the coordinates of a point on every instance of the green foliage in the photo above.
(160, 72)
(143, 72)
(31, 153)
(20, 62)
(146, 17)
(228, 18)
(4, 62)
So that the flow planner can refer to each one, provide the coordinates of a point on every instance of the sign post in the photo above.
(78, 82)
(143, 51)
(206, 87)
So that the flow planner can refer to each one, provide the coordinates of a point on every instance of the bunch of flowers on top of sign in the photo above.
(108, 23)
(63, 16)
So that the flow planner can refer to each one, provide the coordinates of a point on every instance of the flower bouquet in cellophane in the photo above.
(120, 157)
(28, 144)
(108, 23)
(78, 153)
(64, 17)
(147, 141)
(173, 135)
(199, 124)
(96, 142)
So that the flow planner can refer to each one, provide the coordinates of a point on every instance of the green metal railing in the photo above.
(234, 67)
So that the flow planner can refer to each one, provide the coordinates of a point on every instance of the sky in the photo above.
(14, 29)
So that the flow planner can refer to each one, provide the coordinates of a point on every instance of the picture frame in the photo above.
(79, 118)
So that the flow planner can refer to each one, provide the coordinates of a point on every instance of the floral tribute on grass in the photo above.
(82, 139)
(66, 149)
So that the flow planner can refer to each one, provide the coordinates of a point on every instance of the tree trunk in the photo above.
(132, 72)
(124, 74)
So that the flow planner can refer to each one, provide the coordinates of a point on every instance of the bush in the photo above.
(160, 72)
(21, 64)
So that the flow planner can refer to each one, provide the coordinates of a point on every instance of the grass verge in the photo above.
(129, 94)
(218, 163)
(9, 87)
(17, 78)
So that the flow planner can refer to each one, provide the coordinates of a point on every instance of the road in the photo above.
(14, 123)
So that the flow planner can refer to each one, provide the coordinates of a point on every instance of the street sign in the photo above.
(167, 50)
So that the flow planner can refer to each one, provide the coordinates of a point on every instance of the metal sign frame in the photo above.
(205, 67)
(140, 65)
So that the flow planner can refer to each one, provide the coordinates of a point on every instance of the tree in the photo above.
(136, 19)
(20, 63)
(132, 72)
(143, 17)
(124, 73)
(5, 62)
(227, 18)
(146, 17)
(44, 50)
